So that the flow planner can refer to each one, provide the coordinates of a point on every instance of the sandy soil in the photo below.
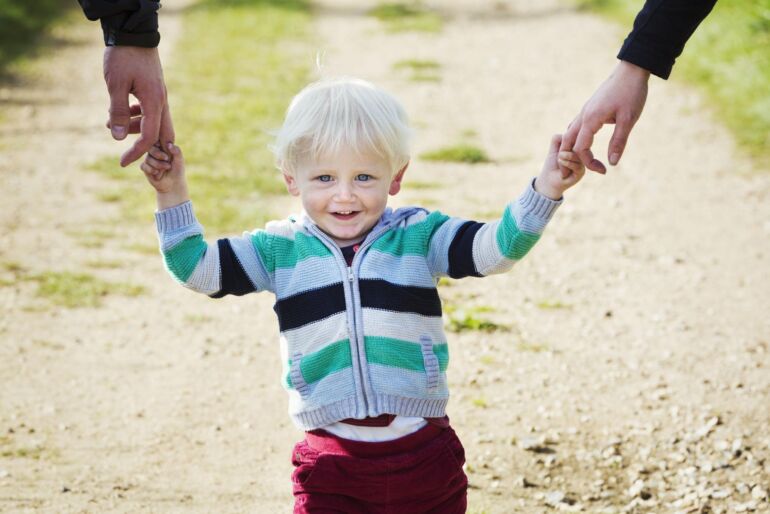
(633, 377)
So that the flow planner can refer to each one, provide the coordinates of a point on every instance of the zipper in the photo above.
(352, 327)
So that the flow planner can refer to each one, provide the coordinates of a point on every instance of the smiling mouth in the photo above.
(344, 215)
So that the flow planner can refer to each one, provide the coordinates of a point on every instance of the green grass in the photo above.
(553, 304)
(420, 70)
(464, 320)
(531, 347)
(480, 402)
(227, 97)
(412, 16)
(23, 26)
(79, 289)
(728, 57)
(459, 153)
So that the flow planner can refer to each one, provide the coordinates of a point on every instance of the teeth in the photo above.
(344, 212)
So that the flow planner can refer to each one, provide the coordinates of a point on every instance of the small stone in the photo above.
(65, 489)
(4, 473)
(746, 507)
(554, 498)
(758, 493)
(720, 494)
(636, 488)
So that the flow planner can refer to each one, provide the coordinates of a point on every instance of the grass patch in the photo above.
(463, 320)
(24, 24)
(531, 347)
(728, 57)
(226, 104)
(480, 402)
(487, 359)
(402, 17)
(459, 153)
(549, 304)
(420, 70)
(198, 319)
(79, 289)
(444, 282)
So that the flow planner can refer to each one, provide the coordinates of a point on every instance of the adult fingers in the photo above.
(149, 126)
(568, 141)
(167, 134)
(585, 139)
(120, 113)
(134, 123)
(619, 138)
(569, 137)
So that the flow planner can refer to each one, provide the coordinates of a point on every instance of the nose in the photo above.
(344, 192)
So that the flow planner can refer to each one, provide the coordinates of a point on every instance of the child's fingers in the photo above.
(568, 156)
(573, 166)
(157, 153)
(156, 163)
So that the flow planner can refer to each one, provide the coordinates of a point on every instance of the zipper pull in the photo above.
(350, 274)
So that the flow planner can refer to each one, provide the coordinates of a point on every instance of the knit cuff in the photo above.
(179, 216)
(538, 205)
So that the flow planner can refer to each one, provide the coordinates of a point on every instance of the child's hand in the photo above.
(550, 181)
(164, 168)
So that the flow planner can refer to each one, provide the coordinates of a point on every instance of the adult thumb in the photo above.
(120, 114)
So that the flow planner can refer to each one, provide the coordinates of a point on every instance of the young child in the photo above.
(363, 349)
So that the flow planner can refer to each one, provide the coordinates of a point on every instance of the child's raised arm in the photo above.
(233, 265)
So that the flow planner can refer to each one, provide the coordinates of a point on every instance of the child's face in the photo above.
(345, 194)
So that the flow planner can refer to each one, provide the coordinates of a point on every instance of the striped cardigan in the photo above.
(362, 340)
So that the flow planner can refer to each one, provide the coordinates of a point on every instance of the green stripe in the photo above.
(281, 252)
(512, 242)
(324, 362)
(182, 259)
(410, 240)
(402, 354)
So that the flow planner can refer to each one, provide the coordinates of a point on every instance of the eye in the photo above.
(363, 177)
(324, 178)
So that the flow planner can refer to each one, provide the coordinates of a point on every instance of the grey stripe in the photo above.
(206, 277)
(406, 270)
(406, 326)
(308, 274)
(438, 252)
(317, 335)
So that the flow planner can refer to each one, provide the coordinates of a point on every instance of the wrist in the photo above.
(172, 197)
(631, 70)
(541, 186)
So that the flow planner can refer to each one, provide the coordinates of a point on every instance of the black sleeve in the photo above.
(125, 22)
(660, 31)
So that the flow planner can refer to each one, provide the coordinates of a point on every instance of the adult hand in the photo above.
(619, 100)
(137, 71)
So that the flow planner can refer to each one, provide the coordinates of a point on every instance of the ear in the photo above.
(395, 184)
(291, 184)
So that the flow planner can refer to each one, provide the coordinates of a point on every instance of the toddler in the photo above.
(363, 349)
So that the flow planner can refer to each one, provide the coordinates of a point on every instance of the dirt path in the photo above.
(634, 374)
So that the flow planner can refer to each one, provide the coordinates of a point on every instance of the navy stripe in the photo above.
(309, 306)
(381, 294)
(461, 251)
(234, 278)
